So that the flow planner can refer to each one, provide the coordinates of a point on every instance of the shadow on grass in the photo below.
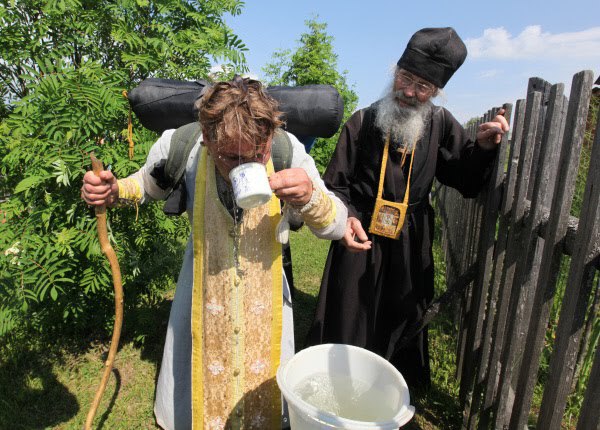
(435, 409)
(30, 395)
(113, 399)
(147, 327)
(304, 310)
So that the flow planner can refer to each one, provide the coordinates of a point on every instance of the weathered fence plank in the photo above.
(538, 84)
(589, 416)
(586, 336)
(502, 235)
(577, 292)
(529, 249)
(483, 374)
(514, 241)
(510, 250)
(468, 243)
(485, 252)
(471, 228)
(474, 209)
(536, 330)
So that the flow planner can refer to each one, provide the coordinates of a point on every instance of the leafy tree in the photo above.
(313, 62)
(63, 67)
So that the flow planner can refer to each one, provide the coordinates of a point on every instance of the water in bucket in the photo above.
(337, 386)
(344, 397)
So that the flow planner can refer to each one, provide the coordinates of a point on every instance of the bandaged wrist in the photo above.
(320, 210)
(130, 191)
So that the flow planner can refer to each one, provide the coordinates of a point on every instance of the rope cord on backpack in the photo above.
(129, 129)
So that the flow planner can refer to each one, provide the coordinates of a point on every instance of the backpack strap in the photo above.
(281, 150)
(182, 142)
(281, 154)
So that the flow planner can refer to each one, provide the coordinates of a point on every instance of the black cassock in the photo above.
(369, 299)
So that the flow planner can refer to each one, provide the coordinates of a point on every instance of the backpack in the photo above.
(309, 110)
(183, 141)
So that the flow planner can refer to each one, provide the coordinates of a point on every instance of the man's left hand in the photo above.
(292, 186)
(490, 133)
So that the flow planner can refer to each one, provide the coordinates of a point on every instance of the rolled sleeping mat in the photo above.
(309, 110)
(162, 104)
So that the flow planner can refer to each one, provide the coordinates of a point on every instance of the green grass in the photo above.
(49, 384)
(308, 256)
(52, 391)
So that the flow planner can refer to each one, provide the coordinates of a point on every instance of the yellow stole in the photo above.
(236, 311)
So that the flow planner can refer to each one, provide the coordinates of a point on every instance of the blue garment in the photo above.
(307, 141)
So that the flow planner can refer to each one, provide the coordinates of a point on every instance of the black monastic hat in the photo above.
(434, 54)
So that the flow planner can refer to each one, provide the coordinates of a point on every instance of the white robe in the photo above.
(173, 393)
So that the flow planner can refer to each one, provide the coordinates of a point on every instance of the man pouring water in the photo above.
(231, 318)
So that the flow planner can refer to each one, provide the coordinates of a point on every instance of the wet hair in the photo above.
(238, 111)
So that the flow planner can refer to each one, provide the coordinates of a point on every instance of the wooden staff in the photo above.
(107, 250)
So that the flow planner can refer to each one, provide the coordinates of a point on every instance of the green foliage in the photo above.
(140, 38)
(313, 62)
(586, 153)
(63, 67)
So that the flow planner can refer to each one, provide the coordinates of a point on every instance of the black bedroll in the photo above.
(161, 104)
(310, 110)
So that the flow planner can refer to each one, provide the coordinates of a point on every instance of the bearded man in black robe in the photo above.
(375, 287)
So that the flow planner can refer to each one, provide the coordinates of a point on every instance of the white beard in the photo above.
(405, 124)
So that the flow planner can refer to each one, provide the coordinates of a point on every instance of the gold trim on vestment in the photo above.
(196, 320)
(277, 288)
(236, 311)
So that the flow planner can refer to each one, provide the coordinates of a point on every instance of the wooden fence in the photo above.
(504, 252)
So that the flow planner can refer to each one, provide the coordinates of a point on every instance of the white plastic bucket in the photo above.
(351, 363)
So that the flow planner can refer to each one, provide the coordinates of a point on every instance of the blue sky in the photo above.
(508, 42)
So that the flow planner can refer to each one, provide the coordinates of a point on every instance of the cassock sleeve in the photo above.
(340, 170)
(461, 163)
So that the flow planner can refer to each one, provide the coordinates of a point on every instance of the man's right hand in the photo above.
(355, 238)
(100, 190)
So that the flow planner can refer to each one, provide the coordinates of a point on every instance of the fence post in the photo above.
(577, 292)
(485, 251)
(514, 240)
(589, 418)
(528, 252)
(472, 212)
(470, 231)
(503, 318)
(538, 84)
(483, 374)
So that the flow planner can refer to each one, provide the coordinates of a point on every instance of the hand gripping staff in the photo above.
(107, 250)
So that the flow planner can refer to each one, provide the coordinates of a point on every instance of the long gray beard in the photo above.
(405, 124)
